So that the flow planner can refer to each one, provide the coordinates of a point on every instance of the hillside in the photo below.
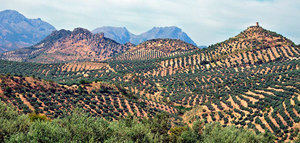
(251, 80)
(29, 94)
(157, 48)
(253, 39)
(122, 35)
(65, 46)
(17, 31)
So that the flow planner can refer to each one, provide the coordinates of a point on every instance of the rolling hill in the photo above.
(99, 99)
(157, 48)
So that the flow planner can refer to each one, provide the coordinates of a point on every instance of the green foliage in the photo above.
(34, 117)
(79, 127)
(130, 131)
(84, 82)
(214, 132)
(176, 131)
(11, 122)
(41, 131)
(189, 137)
(298, 138)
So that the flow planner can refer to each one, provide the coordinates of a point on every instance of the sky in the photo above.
(205, 21)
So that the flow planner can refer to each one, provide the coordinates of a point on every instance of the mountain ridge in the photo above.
(64, 45)
(17, 31)
(122, 35)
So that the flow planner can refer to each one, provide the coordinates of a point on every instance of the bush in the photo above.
(11, 122)
(80, 127)
(188, 137)
(214, 132)
(41, 131)
(175, 133)
(33, 117)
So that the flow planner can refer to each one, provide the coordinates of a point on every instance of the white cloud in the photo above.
(206, 21)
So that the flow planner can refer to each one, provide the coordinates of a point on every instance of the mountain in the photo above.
(81, 45)
(65, 46)
(163, 32)
(17, 31)
(119, 34)
(122, 35)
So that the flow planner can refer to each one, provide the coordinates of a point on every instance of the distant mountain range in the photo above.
(82, 45)
(122, 35)
(65, 46)
(17, 31)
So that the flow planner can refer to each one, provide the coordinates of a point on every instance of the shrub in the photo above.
(80, 127)
(33, 117)
(41, 131)
(11, 122)
(214, 132)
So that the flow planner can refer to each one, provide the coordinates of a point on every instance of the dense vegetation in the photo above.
(79, 127)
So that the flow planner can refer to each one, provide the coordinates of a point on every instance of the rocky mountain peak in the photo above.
(81, 31)
(11, 15)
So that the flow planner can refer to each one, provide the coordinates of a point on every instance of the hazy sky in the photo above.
(205, 21)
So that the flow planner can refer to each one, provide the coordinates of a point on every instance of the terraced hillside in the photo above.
(100, 99)
(157, 48)
(251, 80)
(252, 40)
